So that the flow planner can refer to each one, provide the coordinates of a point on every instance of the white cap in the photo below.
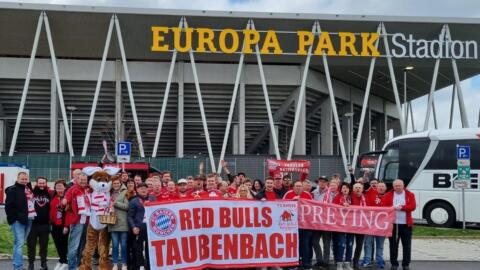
(182, 181)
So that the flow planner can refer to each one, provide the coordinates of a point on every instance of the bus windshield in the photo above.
(389, 164)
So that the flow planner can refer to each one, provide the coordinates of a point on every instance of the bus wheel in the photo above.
(440, 214)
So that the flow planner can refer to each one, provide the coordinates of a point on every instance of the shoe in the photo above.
(366, 264)
(347, 266)
(124, 267)
(339, 266)
(381, 265)
(44, 266)
(57, 266)
(141, 268)
(406, 267)
(115, 267)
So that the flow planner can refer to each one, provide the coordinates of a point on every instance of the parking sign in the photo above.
(463, 152)
(123, 151)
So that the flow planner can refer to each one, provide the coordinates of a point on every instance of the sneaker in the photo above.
(57, 266)
(381, 265)
(141, 268)
(347, 266)
(115, 267)
(366, 264)
(124, 267)
(44, 266)
(339, 266)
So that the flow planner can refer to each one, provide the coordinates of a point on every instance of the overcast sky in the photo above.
(432, 8)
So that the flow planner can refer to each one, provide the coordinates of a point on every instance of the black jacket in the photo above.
(41, 199)
(261, 195)
(136, 212)
(16, 204)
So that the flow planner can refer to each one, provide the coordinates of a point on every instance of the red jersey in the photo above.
(232, 191)
(341, 199)
(270, 195)
(359, 200)
(290, 195)
(213, 193)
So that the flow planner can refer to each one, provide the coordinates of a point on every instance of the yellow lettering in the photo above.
(158, 38)
(178, 36)
(347, 40)
(271, 41)
(251, 37)
(223, 41)
(325, 42)
(205, 37)
(305, 38)
(368, 44)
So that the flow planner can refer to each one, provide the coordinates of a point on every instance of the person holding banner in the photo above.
(342, 251)
(323, 193)
(404, 203)
(182, 188)
(197, 187)
(375, 197)
(304, 236)
(268, 193)
(211, 188)
(357, 199)
(137, 223)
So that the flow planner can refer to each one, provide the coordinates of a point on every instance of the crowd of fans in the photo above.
(35, 211)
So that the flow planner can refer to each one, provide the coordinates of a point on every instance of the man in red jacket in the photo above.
(404, 203)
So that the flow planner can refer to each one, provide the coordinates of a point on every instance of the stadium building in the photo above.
(187, 86)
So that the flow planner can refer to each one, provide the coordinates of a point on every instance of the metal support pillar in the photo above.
(300, 107)
(119, 110)
(271, 142)
(165, 97)
(393, 79)
(236, 85)
(25, 86)
(3, 135)
(461, 101)
(241, 116)
(452, 107)
(61, 137)
(53, 117)
(180, 109)
(235, 139)
(411, 115)
(97, 89)
(326, 129)
(273, 131)
(363, 142)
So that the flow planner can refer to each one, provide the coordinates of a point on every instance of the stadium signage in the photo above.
(228, 41)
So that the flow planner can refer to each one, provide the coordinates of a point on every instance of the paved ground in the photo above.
(416, 265)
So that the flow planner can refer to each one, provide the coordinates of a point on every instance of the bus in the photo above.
(427, 163)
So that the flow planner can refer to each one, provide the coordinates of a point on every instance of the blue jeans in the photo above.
(20, 233)
(119, 239)
(379, 241)
(76, 232)
(342, 247)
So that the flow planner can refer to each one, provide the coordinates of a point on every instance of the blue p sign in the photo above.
(463, 152)
(123, 149)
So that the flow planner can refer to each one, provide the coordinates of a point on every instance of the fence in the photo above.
(54, 166)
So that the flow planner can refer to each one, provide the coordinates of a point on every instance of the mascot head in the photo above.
(100, 178)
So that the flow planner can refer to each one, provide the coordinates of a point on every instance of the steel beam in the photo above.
(180, 110)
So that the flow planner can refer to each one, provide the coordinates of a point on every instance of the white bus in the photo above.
(427, 162)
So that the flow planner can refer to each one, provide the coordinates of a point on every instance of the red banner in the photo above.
(280, 167)
(315, 215)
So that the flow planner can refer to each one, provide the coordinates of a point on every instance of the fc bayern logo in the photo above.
(163, 222)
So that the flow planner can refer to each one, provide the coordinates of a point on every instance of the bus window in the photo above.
(412, 153)
(388, 170)
(445, 155)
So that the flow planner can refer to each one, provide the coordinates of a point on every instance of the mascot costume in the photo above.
(97, 233)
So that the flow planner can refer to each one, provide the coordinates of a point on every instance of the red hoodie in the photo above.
(409, 206)
(57, 211)
(374, 198)
(72, 217)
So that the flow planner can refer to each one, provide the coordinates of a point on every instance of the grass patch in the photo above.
(427, 231)
(6, 242)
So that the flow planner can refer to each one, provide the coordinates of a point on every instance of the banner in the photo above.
(222, 233)
(279, 167)
(317, 215)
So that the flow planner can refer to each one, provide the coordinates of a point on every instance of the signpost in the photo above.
(463, 173)
(123, 151)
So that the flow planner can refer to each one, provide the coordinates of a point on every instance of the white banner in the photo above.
(222, 233)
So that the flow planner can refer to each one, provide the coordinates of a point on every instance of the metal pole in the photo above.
(129, 87)
(461, 102)
(200, 104)
(165, 98)
(232, 106)
(411, 116)
(71, 132)
(98, 86)
(393, 79)
(25, 86)
(463, 205)
(334, 108)
(301, 95)
(452, 107)
(405, 100)
(59, 87)
(365, 104)
(435, 123)
(267, 99)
